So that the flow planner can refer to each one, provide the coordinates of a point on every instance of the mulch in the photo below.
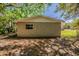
(14, 46)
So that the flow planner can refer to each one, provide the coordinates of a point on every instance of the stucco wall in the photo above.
(40, 29)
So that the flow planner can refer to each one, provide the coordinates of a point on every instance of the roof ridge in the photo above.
(35, 17)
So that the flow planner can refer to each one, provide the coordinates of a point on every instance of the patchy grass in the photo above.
(69, 33)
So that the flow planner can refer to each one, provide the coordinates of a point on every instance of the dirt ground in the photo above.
(13, 46)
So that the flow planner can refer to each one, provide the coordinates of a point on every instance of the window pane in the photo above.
(29, 26)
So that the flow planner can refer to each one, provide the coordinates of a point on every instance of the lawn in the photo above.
(68, 33)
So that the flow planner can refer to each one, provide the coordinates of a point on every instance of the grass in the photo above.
(69, 33)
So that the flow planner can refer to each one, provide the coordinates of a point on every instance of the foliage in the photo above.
(9, 12)
(69, 10)
(67, 26)
(75, 24)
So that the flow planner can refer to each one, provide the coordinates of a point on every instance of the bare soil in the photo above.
(13, 46)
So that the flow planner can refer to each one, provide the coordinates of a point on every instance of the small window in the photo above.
(29, 26)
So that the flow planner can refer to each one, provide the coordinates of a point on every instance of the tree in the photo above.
(75, 23)
(69, 10)
(10, 12)
(67, 26)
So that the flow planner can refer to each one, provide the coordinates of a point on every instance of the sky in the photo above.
(50, 11)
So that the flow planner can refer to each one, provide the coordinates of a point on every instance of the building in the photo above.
(38, 26)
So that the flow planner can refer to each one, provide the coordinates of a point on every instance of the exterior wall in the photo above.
(40, 29)
(62, 25)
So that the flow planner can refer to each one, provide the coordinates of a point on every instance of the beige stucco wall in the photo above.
(40, 29)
